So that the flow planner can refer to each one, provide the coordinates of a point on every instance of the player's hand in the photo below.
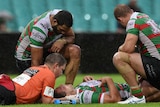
(58, 45)
(88, 78)
(104, 80)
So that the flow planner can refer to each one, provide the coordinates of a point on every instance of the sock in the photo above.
(137, 92)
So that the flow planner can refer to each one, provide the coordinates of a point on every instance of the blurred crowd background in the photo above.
(89, 15)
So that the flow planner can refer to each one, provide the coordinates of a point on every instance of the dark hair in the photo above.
(64, 18)
(122, 10)
(55, 58)
(59, 92)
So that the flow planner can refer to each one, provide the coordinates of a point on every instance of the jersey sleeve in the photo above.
(132, 27)
(37, 37)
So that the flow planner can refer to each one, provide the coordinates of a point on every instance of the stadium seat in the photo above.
(36, 11)
(107, 8)
(87, 14)
(77, 10)
(55, 4)
(6, 5)
(91, 7)
(92, 11)
(122, 1)
(156, 8)
(112, 25)
(22, 12)
(81, 25)
(99, 25)
(146, 6)
(75, 7)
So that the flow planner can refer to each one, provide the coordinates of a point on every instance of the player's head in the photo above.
(63, 21)
(64, 90)
(55, 58)
(64, 17)
(56, 63)
(122, 14)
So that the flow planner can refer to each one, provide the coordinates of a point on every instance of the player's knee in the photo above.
(75, 51)
(116, 57)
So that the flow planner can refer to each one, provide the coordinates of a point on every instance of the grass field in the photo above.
(79, 78)
(60, 80)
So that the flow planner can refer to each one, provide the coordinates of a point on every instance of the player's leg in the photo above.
(151, 93)
(73, 54)
(129, 65)
(22, 65)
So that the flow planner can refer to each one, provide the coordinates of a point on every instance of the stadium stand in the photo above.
(37, 11)
(91, 12)
(99, 25)
(146, 6)
(59, 4)
(75, 7)
(156, 8)
(6, 5)
(107, 8)
(122, 1)
(22, 11)
(89, 15)
(77, 10)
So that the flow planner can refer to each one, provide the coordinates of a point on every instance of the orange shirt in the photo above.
(33, 86)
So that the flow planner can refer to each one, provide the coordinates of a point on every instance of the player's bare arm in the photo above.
(68, 38)
(113, 95)
(37, 55)
(129, 45)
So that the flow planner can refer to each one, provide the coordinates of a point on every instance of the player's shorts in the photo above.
(6, 96)
(23, 65)
(152, 68)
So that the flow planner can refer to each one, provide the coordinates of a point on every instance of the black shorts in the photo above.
(152, 68)
(23, 65)
(6, 96)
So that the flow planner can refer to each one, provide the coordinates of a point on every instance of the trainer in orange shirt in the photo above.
(36, 84)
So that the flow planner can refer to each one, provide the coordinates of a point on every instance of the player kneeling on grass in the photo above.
(143, 33)
(102, 91)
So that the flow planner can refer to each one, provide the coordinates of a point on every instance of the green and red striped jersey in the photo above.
(90, 92)
(37, 33)
(148, 33)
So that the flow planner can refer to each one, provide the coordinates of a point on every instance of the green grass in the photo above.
(79, 77)
(85, 105)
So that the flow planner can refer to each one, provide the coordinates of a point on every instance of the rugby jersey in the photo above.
(37, 33)
(90, 92)
(148, 33)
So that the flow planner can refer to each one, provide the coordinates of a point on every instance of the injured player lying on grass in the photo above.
(104, 90)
